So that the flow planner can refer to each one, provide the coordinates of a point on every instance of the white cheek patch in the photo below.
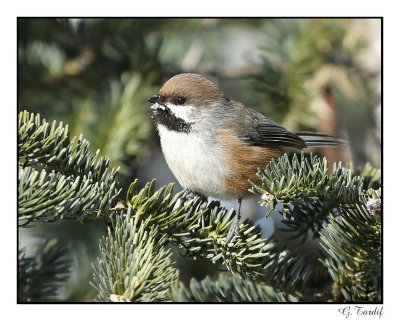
(183, 112)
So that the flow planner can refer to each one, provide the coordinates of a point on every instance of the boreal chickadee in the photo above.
(214, 145)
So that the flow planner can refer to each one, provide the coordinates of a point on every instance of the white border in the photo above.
(200, 8)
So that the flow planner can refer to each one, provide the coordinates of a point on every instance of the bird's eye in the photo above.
(181, 100)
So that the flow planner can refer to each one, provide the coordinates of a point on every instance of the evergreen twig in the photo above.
(228, 289)
(133, 266)
(300, 180)
(353, 253)
(59, 177)
(201, 228)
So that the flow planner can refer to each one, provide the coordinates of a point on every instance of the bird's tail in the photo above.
(316, 139)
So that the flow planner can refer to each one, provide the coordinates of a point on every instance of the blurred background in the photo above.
(95, 75)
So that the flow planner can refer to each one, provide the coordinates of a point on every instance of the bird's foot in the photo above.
(234, 230)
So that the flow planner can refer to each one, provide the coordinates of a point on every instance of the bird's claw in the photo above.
(234, 230)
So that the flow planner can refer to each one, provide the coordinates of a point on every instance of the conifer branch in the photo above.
(353, 248)
(228, 289)
(200, 228)
(290, 269)
(133, 266)
(59, 177)
(371, 175)
(48, 197)
(299, 180)
(302, 218)
(315, 201)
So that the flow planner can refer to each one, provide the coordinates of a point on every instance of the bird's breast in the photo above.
(197, 162)
(217, 165)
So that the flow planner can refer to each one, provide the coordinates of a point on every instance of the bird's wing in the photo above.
(317, 139)
(265, 132)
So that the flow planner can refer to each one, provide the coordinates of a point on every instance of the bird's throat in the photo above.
(164, 116)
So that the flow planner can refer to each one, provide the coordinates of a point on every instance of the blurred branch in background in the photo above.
(82, 66)
(311, 79)
(40, 275)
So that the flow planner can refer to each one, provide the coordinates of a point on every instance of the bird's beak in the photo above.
(154, 99)
(157, 105)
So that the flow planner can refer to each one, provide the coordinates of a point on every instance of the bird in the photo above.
(214, 145)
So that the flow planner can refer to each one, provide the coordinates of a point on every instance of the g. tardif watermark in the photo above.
(361, 311)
